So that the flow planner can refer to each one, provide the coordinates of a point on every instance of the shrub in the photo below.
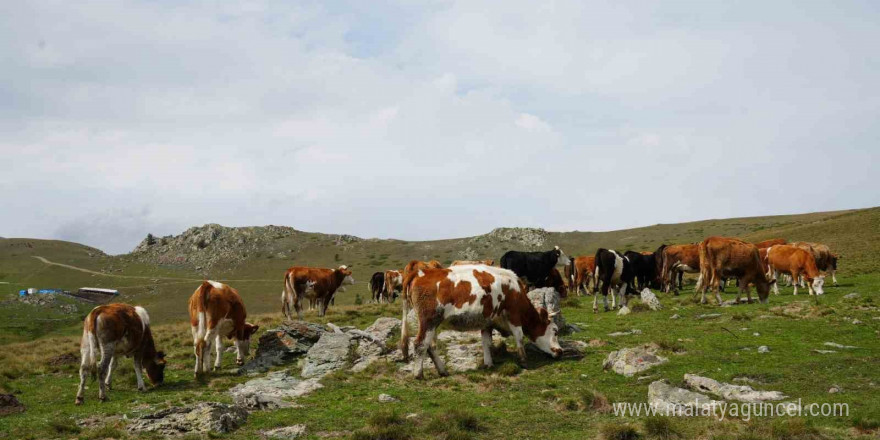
(660, 427)
(865, 425)
(508, 369)
(594, 401)
(619, 431)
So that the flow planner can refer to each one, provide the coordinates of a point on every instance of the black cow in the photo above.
(612, 270)
(533, 267)
(644, 268)
(377, 286)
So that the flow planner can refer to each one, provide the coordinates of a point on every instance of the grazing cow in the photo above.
(117, 330)
(313, 283)
(579, 273)
(770, 242)
(795, 262)
(731, 257)
(533, 267)
(217, 311)
(377, 286)
(489, 262)
(644, 267)
(393, 284)
(474, 298)
(826, 261)
(677, 259)
(555, 281)
(612, 271)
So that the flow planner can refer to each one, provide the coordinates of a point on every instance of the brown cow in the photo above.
(474, 298)
(118, 330)
(770, 242)
(730, 257)
(488, 262)
(826, 261)
(216, 311)
(415, 265)
(581, 276)
(312, 283)
(795, 261)
(676, 260)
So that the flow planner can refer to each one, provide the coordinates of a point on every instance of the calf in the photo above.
(315, 284)
(644, 267)
(731, 257)
(533, 267)
(579, 273)
(612, 271)
(393, 284)
(217, 311)
(474, 298)
(377, 286)
(795, 262)
(488, 262)
(118, 330)
(676, 260)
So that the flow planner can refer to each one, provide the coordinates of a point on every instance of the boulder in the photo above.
(285, 433)
(548, 298)
(624, 311)
(741, 393)
(669, 400)
(763, 349)
(629, 361)
(282, 345)
(272, 391)
(202, 418)
(329, 354)
(649, 299)
(387, 398)
(384, 328)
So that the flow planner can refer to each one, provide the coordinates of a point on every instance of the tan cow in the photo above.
(826, 261)
(579, 273)
(722, 257)
(676, 260)
(393, 282)
(474, 298)
(795, 262)
(117, 330)
(312, 283)
(771, 242)
(217, 311)
(488, 262)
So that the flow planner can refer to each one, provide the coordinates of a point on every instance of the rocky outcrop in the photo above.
(282, 345)
(201, 418)
(330, 353)
(529, 238)
(272, 391)
(741, 393)
(669, 400)
(629, 361)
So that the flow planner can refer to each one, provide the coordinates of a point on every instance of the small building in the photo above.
(96, 294)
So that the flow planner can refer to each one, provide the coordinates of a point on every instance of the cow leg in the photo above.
(595, 303)
(210, 337)
(795, 276)
(85, 368)
(834, 276)
(110, 371)
(139, 374)
(518, 338)
(218, 350)
(107, 352)
(487, 347)
(198, 347)
(430, 340)
(622, 293)
(421, 345)
(680, 279)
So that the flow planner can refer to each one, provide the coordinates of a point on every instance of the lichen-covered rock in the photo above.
(649, 299)
(629, 361)
(742, 393)
(330, 353)
(669, 400)
(548, 298)
(204, 417)
(272, 391)
(384, 327)
(282, 345)
(285, 432)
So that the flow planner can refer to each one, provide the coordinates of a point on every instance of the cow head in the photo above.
(345, 271)
(763, 285)
(548, 341)
(156, 368)
(243, 342)
(818, 282)
(561, 258)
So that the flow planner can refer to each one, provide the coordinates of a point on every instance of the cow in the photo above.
(117, 330)
(473, 298)
(677, 259)
(795, 262)
(377, 286)
(613, 272)
(644, 267)
(217, 311)
(415, 265)
(731, 257)
(555, 281)
(533, 267)
(393, 284)
(489, 262)
(312, 283)
(826, 261)
(770, 242)
(579, 273)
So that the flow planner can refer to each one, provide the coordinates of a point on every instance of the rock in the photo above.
(836, 345)
(851, 296)
(596, 343)
(548, 298)
(571, 349)
(285, 433)
(709, 316)
(824, 351)
(756, 334)
(741, 393)
(9, 404)
(203, 417)
(669, 400)
(270, 392)
(675, 316)
(763, 349)
(282, 345)
(834, 389)
(624, 311)
(411, 416)
(386, 398)
(634, 331)
(330, 353)
(462, 357)
(856, 322)
(649, 299)
(629, 361)
(384, 328)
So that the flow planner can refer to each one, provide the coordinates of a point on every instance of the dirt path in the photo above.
(143, 277)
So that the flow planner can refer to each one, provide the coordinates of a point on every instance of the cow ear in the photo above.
(543, 313)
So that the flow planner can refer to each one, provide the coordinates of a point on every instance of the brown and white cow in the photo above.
(217, 311)
(676, 260)
(826, 261)
(795, 262)
(770, 242)
(488, 262)
(722, 257)
(415, 265)
(393, 283)
(117, 330)
(474, 298)
(579, 273)
(312, 283)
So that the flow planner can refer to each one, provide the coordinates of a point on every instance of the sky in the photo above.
(430, 119)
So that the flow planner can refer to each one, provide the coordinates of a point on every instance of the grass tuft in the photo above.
(619, 431)
(865, 424)
(661, 428)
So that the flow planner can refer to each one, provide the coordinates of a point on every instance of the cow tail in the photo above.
(406, 304)
(205, 292)
(89, 344)
(706, 272)
(289, 293)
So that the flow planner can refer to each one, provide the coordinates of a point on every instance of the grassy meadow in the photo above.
(567, 399)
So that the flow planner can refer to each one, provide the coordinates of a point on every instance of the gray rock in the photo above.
(709, 316)
(283, 345)
(387, 398)
(851, 296)
(463, 357)
(649, 299)
(763, 349)
(270, 392)
(741, 393)
(384, 328)
(836, 345)
(834, 389)
(856, 322)
(824, 351)
(675, 316)
(670, 400)
(203, 417)
(634, 331)
(624, 311)
(629, 361)
(285, 433)
(330, 353)
(548, 298)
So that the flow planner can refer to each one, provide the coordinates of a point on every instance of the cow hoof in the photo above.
(79, 401)
(102, 398)
(420, 376)
(444, 374)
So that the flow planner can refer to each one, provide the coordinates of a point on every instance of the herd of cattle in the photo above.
(468, 295)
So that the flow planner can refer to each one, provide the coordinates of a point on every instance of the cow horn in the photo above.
(553, 314)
